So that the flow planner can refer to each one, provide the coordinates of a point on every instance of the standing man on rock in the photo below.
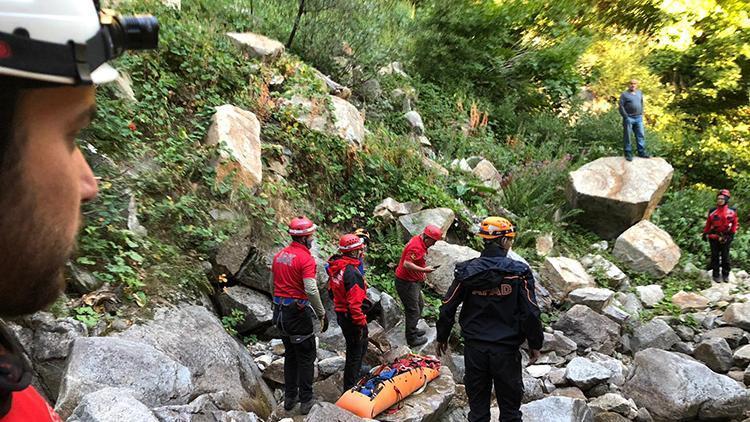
(51, 56)
(631, 110)
(410, 274)
(721, 225)
(296, 303)
(348, 289)
(499, 313)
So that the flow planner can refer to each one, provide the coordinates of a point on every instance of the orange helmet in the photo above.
(351, 242)
(433, 232)
(494, 227)
(301, 226)
(363, 234)
(725, 193)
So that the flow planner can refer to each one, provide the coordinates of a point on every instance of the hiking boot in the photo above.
(419, 333)
(644, 155)
(417, 341)
(725, 278)
(289, 403)
(305, 407)
(629, 157)
(716, 279)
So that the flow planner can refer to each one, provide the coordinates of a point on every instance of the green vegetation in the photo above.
(529, 85)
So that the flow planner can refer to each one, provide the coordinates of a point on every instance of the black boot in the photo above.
(305, 407)
(418, 341)
(289, 403)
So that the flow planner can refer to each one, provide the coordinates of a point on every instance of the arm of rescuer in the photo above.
(453, 298)
(532, 323)
(356, 293)
(416, 256)
(313, 295)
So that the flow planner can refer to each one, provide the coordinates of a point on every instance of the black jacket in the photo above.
(499, 302)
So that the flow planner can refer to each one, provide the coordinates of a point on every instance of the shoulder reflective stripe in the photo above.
(528, 293)
(453, 294)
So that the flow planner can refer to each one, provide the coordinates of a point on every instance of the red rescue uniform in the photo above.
(290, 267)
(721, 221)
(28, 406)
(416, 252)
(348, 288)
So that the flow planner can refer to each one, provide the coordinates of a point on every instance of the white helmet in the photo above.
(68, 41)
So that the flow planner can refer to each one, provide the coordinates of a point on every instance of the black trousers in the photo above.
(488, 365)
(296, 322)
(356, 347)
(720, 251)
(410, 293)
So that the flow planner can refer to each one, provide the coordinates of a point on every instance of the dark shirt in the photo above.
(631, 103)
(499, 303)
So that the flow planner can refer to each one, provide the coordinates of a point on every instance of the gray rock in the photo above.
(688, 301)
(647, 248)
(99, 362)
(538, 371)
(593, 297)
(589, 329)
(643, 415)
(111, 405)
(488, 174)
(558, 409)
(570, 392)
(392, 313)
(715, 353)
(675, 387)
(396, 337)
(557, 377)
(557, 342)
(334, 116)
(585, 374)
(656, 333)
(256, 307)
(215, 407)
(616, 314)
(684, 333)
(328, 412)
(618, 369)
(389, 209)
(330, 366)
(738, 315)
(239, 256)
(275, 372)
(563, 275)
(330, 389)
(371, 89)
(734, 336)
(598, 266)
(428, 406)
(746, 378)
(415, 122)
(684, 348)
(614, 194)
(629, 302)
(741, 356)
(650, 295)
(532, 389)
(609, 417)
(611, 402)
(415, 223)
(447, 256)
(257, 45)
(82, 281)
(194, 337)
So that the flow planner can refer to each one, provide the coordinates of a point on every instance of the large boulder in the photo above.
(649, 295)
(428, 406)
(648, 249)
(689, 301)
(593, 297)
(614, 194)
(558, 409)
(715, 353)
(257, 45)
(446, 255)
(194, 337)
(390, 209)
(216, 407)
(738, 315)
(589, 329)
(239, 256)
(111, 405)
(675, 387)
(656, 333)
(562, 275)
(415, 223)
(585, 374)
(239, 131)
(342, 119)
(99, 362)
(487, 173)
(254, 305)
(557, 342)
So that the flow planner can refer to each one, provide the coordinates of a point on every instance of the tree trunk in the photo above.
(300, 12)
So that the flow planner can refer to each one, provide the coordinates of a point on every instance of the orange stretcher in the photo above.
(412, 373)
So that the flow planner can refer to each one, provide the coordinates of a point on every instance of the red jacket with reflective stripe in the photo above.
(347, 287)
(290, 267)
(721, 220)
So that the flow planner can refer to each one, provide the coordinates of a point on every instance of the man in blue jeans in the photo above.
(631, 110)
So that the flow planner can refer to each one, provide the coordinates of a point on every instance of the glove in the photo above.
(323, 324)
(442, 348)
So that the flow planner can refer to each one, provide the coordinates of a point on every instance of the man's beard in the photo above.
(33, 252)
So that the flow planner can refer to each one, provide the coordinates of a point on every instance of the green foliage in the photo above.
(87, 315)
(232, 321)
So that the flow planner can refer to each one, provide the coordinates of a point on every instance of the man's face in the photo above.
(41, 197)
(428, 241)
(633, 85)
(721, 200)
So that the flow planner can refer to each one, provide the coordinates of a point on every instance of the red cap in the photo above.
(433, 232)
(725, 193)
(301, 226)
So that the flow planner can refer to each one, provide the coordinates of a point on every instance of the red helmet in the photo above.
(301, 226)
(351, 242)
(725, 193)
(433, 232)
